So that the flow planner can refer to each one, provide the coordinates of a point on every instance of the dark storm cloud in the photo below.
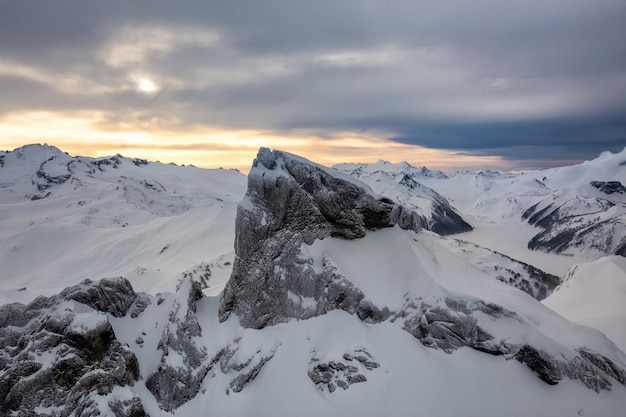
(558, 139)
(488, 77)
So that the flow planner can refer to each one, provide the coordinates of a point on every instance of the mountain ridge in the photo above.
(338, 303)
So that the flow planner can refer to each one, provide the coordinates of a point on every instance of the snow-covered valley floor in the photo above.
(510, 238)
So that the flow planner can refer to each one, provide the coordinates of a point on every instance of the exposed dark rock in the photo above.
(88, 359)
(368, 312)
(173, 385)
(156, 186)
(250, 372)
(142, 301)
(46, 180)
(541, 217)
(566, 234)
(444, 219)
(341, 373)
(544, 369)
(604, 363)
(609, 187)
(139, 162)
(620, 249)
(127, 408)
(449, 328)
(433, 211)
(291, 201)
(456, 325)
(110, 295)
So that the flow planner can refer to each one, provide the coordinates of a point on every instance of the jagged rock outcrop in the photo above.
(185, 362)
(291, 201)
(114, 296)
(456, 323)
(53, 356)
(173, 384)
(341, 372)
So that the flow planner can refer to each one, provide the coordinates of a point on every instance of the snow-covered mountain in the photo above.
(339, 302)
(400, 182)
(72, 218)
(580, 210)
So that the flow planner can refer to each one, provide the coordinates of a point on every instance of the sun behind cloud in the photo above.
(145, 85)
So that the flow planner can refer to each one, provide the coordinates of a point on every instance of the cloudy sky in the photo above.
(447, 84)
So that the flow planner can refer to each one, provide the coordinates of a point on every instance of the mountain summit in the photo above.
(339, 303)
(291, 201)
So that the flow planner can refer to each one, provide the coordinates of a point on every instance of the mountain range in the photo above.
(135, 288)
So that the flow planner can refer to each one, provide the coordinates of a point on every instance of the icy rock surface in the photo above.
(64, 357)
(185, 363)
(291, 201)
(173, 384)
(341, 373)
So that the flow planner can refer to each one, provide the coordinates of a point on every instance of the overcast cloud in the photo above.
(541, 80)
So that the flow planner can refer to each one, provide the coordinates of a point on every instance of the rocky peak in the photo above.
(291, 201)
(61, 353)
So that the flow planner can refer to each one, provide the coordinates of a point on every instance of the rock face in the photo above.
(291, 201)
(173, 384)
(53, 356)
(62, 352)
(609, 187)
(456, 323)
(443, 219)
(185, 363)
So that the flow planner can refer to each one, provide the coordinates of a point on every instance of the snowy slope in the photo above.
(64, 219)
(578, 210)
(401, 183)
(269, 372)
(593, 294)
(338, 303)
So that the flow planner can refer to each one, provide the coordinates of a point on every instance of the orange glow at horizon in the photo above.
(88, 134)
